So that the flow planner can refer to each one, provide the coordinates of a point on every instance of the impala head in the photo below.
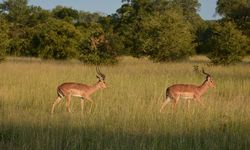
(101, 79)
(209, 79)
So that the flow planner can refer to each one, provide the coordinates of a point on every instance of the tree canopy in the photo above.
(4, 42)
(163, 30)
(55, 39)
(227, 44)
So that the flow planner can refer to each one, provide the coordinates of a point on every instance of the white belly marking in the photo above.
(77, 95)
(186, 95)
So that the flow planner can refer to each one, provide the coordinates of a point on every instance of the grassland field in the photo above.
(126, 115)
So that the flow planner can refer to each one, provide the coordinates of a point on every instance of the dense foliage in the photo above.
(237, 11)
(166, 37)
(4, 38)
(227, 44)
(99, 47)
(227, 40)
(55, 39)
(162, 30)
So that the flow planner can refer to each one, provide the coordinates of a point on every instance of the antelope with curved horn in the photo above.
(187, 91)
(79, 90)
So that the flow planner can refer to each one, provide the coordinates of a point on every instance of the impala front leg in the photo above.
(174, 106)
(175, 100)
(82, 104)
(188, 103)
(199, 101)
(92, 103)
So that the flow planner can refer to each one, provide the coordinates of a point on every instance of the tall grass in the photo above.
(126, 115)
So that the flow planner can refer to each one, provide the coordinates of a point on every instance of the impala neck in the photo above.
(204, 87)
(93, 88)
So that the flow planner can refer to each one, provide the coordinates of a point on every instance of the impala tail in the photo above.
(167, 93)
(60, 93)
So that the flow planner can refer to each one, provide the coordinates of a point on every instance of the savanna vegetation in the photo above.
(153, 44)
(126, 115)
(161, 30)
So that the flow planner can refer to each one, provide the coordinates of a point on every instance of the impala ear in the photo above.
(208, 77)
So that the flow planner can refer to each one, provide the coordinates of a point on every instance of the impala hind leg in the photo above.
(68, 103)
(165, 104)
(82, 104)
(58, 99)
(174, 106)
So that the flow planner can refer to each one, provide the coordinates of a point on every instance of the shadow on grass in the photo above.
(51, 137)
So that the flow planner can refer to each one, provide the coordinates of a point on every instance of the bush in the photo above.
(4, 40)
(102, 52)
(55, 39)
(227, 44)
(19, 46)
(166, 37)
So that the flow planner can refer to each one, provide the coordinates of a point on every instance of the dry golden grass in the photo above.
(126, 115)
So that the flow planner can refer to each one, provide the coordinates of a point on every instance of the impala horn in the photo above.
(208, 75)
(100, 75)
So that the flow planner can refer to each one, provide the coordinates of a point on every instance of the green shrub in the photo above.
(166, 37)
(104, 52)
(227, 44)
(56, 39)
(4, 39)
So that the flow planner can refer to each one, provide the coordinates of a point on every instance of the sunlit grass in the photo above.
(126, 115)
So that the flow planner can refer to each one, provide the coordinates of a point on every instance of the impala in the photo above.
(187, 91)
(79, 90)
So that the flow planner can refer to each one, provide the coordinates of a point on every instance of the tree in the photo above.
(166, 37)
(15, 10)
(127, 25)
(37, 15)
(235, 9)
(189, 9)
(115, 41)
(98, 46)
(204, 33)
(86, 18)
(150, 29)
(65, 13)
(21, 18)
(124, 25)
(238, 11)
(55, 39)
(227, 44)
(4, 42)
